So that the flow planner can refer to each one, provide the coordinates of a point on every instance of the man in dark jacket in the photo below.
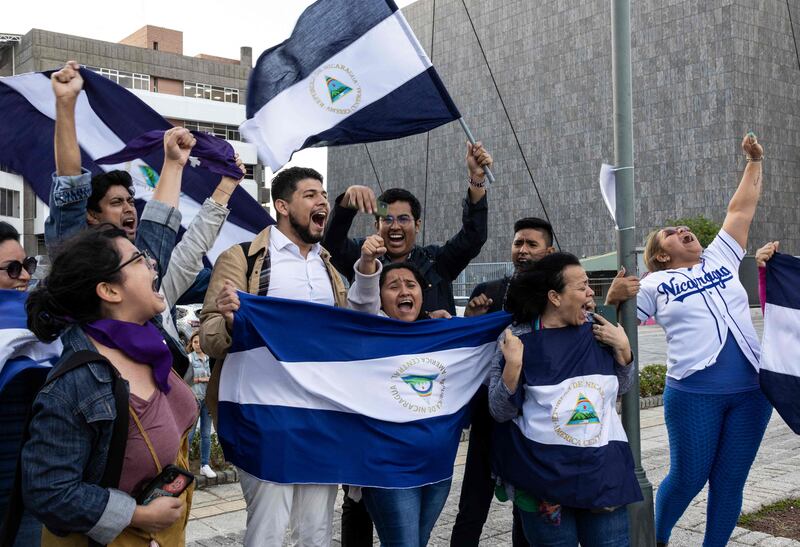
(533, 239)
(399, 226)
(439, 265)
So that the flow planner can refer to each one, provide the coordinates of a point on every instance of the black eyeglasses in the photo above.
(141, 254)
(14, 268)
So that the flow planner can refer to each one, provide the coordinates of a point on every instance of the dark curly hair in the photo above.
(69, 293)
(527, 290)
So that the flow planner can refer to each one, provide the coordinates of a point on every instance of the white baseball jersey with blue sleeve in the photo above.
(699, 306)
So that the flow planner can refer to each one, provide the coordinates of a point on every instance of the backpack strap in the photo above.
(251, 260)
(116, 451)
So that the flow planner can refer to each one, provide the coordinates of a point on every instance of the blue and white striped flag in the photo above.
(323, 395)
(567, 445)
(780, 347)
(20, 351)
(351, 72)
(107, 116)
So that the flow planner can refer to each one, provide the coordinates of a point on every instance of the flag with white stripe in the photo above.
(107, 117)
(20, 351)
(323, 395)
(780, 364)
(567, 444)
(351, 72)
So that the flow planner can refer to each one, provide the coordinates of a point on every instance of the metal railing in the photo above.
(478, 273)
(487, 271)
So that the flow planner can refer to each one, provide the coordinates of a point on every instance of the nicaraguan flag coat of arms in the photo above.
(351, 72)
(323, 395)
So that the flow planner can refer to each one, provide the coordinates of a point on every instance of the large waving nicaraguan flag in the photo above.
(108, 116)
(20, 350)
(323, 395)
(780, 347)
(351, 72)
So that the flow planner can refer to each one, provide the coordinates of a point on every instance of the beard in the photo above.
(303, 232)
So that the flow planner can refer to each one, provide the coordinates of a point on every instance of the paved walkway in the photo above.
(218, 516)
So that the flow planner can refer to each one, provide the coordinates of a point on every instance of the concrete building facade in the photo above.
(704, 73)
(205, 93)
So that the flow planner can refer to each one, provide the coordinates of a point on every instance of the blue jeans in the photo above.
(578, 525)
(205, 433)
(404, 517)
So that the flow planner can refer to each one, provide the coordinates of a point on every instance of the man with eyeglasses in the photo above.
(399, 226)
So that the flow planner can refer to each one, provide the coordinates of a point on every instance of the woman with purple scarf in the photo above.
(100, 297)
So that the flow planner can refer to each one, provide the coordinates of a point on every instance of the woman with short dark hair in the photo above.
(101, 297)
(559, 449)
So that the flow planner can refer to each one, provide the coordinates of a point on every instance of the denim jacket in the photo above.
(158, 224)
(64, 460)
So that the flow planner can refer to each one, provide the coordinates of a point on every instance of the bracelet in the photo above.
(476, 184)
(755, 160)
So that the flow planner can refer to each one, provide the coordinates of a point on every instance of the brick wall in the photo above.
(168, 40)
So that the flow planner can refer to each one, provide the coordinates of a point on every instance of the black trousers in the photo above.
(356, 523)
(477, 488)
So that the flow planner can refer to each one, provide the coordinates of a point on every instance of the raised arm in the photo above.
(72, 185)
(365, 293)
(344, 250)
(742, 206)
(187, 258)
(67, 84)
(178, 144)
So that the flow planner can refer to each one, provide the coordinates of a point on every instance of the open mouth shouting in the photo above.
(318, 218)
(405, 304)
(155, 287)
(687, 238)
(396, 238)
(129, 225)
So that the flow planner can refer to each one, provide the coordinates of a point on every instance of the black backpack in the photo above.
(116, 452)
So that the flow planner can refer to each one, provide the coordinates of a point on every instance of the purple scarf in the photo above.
(213, 153)
(142, 343)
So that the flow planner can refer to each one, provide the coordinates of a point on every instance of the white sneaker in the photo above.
(206, 471)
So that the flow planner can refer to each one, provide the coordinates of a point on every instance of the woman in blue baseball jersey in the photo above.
(715, 412)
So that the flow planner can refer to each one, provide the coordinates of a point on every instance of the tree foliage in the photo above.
(703, 228)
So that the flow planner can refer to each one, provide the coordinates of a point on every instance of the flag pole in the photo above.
(640, 515)
(471, 139)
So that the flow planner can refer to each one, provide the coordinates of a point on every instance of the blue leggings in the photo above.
(712, 438)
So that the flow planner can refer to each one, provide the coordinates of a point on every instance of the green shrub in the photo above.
(652, 380)
(704, 229)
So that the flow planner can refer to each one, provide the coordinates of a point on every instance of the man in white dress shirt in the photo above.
(286, 261)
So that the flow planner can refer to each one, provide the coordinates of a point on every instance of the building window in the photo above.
(9, 203)
(212, 92)
(41, 248)
(229, 132)
(155, 46)
(129, 80)
(249, 171)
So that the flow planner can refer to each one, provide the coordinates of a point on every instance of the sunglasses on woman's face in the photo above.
(672, 230)
(14, 268)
